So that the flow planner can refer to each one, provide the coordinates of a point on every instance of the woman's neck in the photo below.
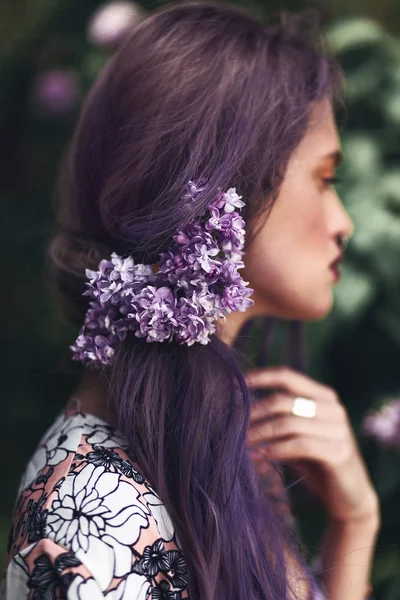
(92, 395)
(229, 329)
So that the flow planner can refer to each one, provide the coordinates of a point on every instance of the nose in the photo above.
(342, 223)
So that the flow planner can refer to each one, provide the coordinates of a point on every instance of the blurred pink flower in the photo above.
(56, 91)
(110, 23)
(384, 424)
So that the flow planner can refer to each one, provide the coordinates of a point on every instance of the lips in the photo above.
(335, 267)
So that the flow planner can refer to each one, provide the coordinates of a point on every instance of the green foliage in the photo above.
(19, 20)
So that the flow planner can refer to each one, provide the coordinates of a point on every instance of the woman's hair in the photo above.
(197, 90)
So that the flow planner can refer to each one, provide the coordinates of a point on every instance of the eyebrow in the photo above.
(337, 156)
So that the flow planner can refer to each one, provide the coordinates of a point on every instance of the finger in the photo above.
(288, 426)
(277, 404)
(316, 450)
(291, 381)
(271, 406)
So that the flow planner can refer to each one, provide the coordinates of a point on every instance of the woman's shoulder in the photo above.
(55, 452)
(84, 504)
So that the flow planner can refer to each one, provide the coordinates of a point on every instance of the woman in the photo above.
(205, 123)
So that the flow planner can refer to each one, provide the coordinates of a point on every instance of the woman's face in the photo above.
(290, 262)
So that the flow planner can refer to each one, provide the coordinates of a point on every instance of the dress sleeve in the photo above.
(46, 570)
(92, 527)
(103, 534)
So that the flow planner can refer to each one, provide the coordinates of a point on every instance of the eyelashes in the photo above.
(332, 180)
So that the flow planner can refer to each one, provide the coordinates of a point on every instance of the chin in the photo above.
(304, 309)
(315, 311)
(294, 307)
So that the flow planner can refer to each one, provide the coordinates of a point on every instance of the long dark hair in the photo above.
(198, 89)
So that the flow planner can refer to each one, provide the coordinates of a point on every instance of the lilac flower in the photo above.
(230, 225)
(192, 327)
(214, 221)
(384, 424)
(92, 350)
(193, 188)
(219, 201)
(201, 257)
(99, 316)
(195, 282)
(156, 315)
(235, 297)
(206, 300)
(105, 267)
(233, 253)
(182, 238)
(122, 268)
(125, 271)
(110, 292)
(232, 200)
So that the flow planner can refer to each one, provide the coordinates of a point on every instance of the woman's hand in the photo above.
(323, 448)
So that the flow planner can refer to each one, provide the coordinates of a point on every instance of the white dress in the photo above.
(87, 525)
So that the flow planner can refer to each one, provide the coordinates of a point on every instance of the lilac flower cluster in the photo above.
(195, 282)
(384, 425)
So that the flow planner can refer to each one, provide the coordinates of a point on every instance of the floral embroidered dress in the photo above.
(87, 525)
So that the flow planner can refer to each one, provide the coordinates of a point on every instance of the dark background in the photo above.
(49, 57)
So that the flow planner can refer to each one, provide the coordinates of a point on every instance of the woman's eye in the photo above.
(331, 180)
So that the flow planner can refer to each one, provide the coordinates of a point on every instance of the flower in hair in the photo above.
(194, 282)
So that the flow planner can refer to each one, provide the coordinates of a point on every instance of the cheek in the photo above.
(288, 263)
(290, 237)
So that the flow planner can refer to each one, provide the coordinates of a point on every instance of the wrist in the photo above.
(367, 521)
(367, 515)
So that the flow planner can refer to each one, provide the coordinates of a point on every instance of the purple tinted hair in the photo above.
(198, 90)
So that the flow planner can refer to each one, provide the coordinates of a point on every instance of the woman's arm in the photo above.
(324, 452)
(346, 556)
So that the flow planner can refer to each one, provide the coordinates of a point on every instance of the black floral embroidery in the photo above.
(163, 591)
(65, 561)
(108, 458)
(107, 432)
(35, 523)
(35, 516)
(44, 477)
(178, 567)
(61, 439)
(153, 560)
(104, 457)
(129, 471)
(59, 484)
(47, 579)
(18, 525)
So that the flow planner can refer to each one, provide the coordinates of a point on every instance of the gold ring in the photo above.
(304, 407)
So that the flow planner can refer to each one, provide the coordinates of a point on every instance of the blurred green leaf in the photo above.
(387, 565)
(355, 294)
(394, 590)
(348, 34)
(386, 472)
(19, 20)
